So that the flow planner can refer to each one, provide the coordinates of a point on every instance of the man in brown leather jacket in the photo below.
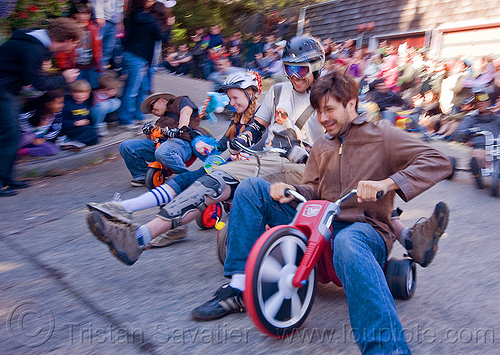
(353, 153)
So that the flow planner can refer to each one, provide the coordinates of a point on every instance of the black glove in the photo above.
(172, 132)
(242, 139)
(147, 128)
(297, 154)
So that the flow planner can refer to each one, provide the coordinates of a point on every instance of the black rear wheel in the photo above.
(401, 275)
(495, 178)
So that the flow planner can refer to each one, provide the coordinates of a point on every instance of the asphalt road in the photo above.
(63, 293)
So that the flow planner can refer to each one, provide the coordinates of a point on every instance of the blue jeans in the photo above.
(108, 34)
(138, 153)
(98, 112)
(173, 153)
(91, 75)
(182, 181)
(359, 255)
(134, 90)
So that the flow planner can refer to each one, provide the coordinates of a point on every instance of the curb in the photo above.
(67, 161)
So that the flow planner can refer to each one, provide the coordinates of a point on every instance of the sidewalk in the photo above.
(108, 147)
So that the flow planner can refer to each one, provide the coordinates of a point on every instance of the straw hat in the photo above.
(147, 102)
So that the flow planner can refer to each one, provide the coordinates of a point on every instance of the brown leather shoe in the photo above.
(171, 237)
(425, 235)
(119, 237)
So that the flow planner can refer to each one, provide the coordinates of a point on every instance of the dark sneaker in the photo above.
(119, 237)
(226, 300)
(19, 184)
(171, 237)
(113, 210)
(476, 172)
(425, 234)
(6, 191)
(138, 183)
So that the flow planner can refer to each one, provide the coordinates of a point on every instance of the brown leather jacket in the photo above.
(371, 151)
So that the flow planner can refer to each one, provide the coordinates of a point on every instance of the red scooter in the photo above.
(286, 261)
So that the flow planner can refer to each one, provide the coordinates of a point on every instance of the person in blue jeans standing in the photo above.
(141, 34)
(353, 153)
(175, 113)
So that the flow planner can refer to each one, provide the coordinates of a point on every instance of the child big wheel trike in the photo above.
(285, 262)
(492, 160)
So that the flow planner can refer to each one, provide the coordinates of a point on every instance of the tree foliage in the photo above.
(230, 14)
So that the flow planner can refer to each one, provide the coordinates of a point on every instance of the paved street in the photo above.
(62, 292)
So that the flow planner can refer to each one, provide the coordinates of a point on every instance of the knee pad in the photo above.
(194, 198)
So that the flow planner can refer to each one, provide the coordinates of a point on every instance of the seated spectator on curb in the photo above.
(104, 101)
(388, 101)
(223, 68)
(76, 114)
(180, 61)
(176, 113)
(40, 124)
(236, 57)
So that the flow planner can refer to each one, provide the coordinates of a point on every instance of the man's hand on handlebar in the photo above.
(277, 192)
(368, 190)
(240, 138)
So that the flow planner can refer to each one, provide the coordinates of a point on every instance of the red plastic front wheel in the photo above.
(208, 218)
(275, 306)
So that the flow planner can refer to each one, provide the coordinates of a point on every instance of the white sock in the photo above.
(143, 235)
(159, 196)
(238, 281)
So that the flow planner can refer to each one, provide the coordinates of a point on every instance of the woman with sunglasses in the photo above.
(243, 89)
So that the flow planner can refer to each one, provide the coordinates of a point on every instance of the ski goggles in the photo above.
(298, 70)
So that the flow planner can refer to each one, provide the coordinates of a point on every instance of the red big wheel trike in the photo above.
(285, 262)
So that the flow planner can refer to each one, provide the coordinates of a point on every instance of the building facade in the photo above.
(449, 28)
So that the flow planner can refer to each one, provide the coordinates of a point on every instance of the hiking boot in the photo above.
(119, 237)
(138, 183)
(226, 300)
(425, 234)
(113, 210)
(476, 172)
(171, 237)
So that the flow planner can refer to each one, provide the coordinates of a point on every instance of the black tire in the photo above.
(222, 244)
(453, 162)
(495, 177)
(401, 275)
(276, 307)
(154, 177)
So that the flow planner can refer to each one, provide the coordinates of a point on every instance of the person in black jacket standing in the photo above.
(21, 60)
(141, 33)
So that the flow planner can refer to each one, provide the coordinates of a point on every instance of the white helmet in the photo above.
(242, 80)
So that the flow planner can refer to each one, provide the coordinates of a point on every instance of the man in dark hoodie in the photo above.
(21, 60)
(141, 34)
